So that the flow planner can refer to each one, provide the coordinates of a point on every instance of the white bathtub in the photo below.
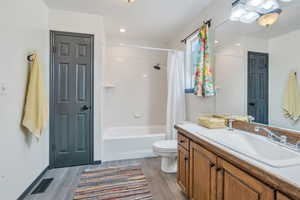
(121, 143)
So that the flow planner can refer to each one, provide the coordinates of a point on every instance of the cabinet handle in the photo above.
(219, 169)
(181, 141)
(211, 165)
(186, 158)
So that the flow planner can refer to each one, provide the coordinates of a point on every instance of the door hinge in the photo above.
(54, 49)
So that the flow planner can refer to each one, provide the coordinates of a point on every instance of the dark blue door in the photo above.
(71, 99)
(258, 86)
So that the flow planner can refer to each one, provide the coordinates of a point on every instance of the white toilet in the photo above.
(167, 149)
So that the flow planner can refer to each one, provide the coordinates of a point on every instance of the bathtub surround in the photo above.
(135, 108)
(176, 96)
(140, 92)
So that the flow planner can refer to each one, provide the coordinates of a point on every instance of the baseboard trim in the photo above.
(31, 186)
(97, 162)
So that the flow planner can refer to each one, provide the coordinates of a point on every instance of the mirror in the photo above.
(253, 66)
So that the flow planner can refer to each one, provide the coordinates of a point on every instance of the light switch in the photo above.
(3, 89)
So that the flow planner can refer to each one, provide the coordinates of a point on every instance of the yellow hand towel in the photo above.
(36, 107)
(291, 100)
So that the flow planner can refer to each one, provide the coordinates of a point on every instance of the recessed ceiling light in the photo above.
(216, 41)
(122, 30)
(238, 44)
(131, 1)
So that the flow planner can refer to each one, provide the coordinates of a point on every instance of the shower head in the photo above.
(157, 67)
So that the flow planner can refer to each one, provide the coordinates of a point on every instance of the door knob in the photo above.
(85, 107)
(211, 165)
(251, 104)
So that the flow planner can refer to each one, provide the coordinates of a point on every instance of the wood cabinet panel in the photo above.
(202, 173)
(238, 185)
(282, 197)
(183, 170)
(183, 141)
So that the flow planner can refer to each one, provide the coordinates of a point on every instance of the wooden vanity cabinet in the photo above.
(212, 178)
(183, 169)
(282, 197)
(235, 184)
(202, 173)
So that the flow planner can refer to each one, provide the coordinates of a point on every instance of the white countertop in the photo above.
(287, 174)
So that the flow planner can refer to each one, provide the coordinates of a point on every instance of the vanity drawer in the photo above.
(183, 141)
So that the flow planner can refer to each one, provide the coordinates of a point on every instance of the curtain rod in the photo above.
(208, 22)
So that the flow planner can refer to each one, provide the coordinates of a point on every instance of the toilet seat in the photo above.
(165, 146)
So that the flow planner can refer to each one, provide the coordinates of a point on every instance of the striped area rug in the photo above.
(123, 183)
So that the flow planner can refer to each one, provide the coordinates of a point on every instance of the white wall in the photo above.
(284, 58)
(24, 28)
(89, 24)
(140, 93)
(231, 70)
(218, 11)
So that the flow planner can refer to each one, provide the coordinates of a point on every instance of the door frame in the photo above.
(51, 94)
(268, 71)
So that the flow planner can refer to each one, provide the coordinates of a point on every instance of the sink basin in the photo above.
(256, 147)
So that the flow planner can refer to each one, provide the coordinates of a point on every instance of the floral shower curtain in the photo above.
(204, 83)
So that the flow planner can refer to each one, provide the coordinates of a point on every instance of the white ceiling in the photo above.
(144, 20)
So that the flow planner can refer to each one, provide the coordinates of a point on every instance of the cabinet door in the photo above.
(282, 197)
(202, 173)
(183, 169)
(234, 184)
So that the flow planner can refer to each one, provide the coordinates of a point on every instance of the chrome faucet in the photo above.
(282, 139)
(273, 136)
(230, 124)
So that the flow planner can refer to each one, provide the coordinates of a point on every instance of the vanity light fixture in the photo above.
(268, 6)
(249, 17)
(255, 3)
(266, 12)
(237, 12)
(270, 18)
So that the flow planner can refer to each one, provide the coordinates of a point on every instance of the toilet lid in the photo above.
(166, 146)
